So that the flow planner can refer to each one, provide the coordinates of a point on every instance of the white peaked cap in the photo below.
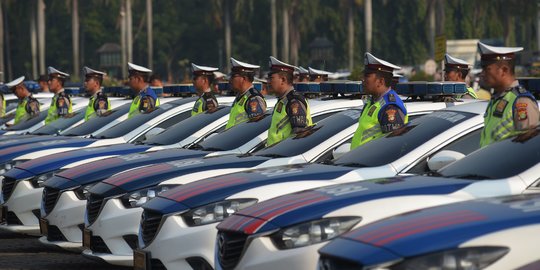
(138, 68)
(370, 59)
(236, 63)
(302, 70)
(51, 70)
(218, 74)
(396, 75)
(449, 60)
(15, 82)
(275, 64)
(313, 71)
(487, 49)
(196, 68)
(89, 71)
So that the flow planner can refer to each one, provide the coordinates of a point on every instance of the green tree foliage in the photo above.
(193, 31)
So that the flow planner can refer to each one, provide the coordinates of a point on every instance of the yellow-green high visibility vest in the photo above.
(149, 97)
(471, 93)
(499, 117)
(26, 108)
(97, 105)
(281, 128)
(369, 127)
(238, 112)
(60, 106)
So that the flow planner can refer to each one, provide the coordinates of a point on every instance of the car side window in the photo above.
(465, 145)
(328, 155)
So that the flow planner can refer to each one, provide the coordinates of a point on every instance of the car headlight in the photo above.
(37, 181)
(471, 258)
(83, 192)
(10, 165)
(313, 232)
(215, 212)
(140, 197)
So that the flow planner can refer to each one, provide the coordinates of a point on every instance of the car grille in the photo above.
(8, 184)
(156, 264)
(97, 245)
(12, 219)
(230, 247)
(93, 206)
(150, 222)
(50, 196)
(54, 234)
(332, 263)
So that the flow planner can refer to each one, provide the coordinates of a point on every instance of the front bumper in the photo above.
(23, 206)
(262, 254)
(113, 224)
(179, 246)
(67, 217)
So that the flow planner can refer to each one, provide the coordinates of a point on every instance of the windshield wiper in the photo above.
(469, 176)
(211, 149)
(272, 156)
(352, 164)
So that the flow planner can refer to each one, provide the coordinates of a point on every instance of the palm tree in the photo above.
(75, 36)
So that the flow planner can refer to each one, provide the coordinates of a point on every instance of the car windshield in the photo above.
(319, 133)
(30, 122)
(186, 128)
(492, 162)
(236, 136)
(95, 123)
(400, 142)
(138, 120)
(60, 124)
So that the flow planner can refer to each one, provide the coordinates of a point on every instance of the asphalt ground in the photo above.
(26, 252)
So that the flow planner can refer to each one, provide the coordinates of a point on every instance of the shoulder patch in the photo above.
(521, 108)
(391, 114)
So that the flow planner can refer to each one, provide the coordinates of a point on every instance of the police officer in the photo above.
(249, 103)
(202, 80)
(146, 99)
(456, 70)
(385, 111)
(291, 114)
(28, 106)
(61, 103)
(316, 75)
(98, 104)
(512, 109)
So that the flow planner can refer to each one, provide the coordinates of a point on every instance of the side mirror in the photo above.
(443, 158)
(153, 132)
(341, 150)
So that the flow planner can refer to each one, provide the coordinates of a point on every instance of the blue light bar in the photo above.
(440, 88)
(185, 88)
(355, 87)
(117, 91)
(257, 85)
(223, 86)
(73, 91)
(422, 88)
(158, 90)
(307, 87)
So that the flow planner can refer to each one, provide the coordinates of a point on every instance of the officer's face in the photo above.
(20, 91)
(54, 84)
(275, 82)
(236, 81)
(452, 75)
(371, 83)
(91, 85)
(491, 75)
(135, 81)
(200, 83)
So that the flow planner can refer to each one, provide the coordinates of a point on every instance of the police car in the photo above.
(421, 138)
(38, 170)
(287, 231)
(25, 184)
(12, 102)
(58, 200)
(498, 233)
(36, 122)
(104, 213)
